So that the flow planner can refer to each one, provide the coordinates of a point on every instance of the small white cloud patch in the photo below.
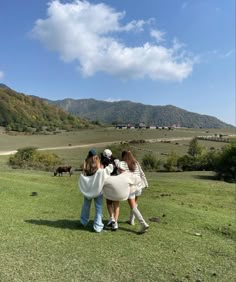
(158, 35)
(1, 74)
(112, 100)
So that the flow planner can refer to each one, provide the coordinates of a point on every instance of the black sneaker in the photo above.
(110, 222)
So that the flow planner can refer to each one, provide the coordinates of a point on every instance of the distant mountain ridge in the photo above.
(3, 86)
(19, 112)
(134, 113)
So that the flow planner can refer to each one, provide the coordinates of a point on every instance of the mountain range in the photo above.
(127, 112)
(23, 112)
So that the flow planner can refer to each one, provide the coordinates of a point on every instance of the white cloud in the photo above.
(217, 54)
(227, 54)
(1, 74)
(158, 35)
(91, 34)
(112, 100)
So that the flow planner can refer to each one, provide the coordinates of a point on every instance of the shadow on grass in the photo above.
(120, 228)
(63, 224)
(123, 229)
(206, 177)
(73, 225)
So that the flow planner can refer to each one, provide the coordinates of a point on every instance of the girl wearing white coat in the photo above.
(91, 184)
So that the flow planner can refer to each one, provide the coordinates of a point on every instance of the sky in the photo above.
(154, 52)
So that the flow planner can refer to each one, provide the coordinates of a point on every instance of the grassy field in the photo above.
(75, 156)
(191, 237)
(192, 220)
(14, 142)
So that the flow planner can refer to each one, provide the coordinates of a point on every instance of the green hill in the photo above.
(135, 113)
(20, 112)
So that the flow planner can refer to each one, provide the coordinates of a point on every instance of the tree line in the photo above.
(222, 162)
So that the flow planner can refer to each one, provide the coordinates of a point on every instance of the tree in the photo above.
(171, 162)
(29, 157)
(149, 162)
(195, 149)
(226, 164)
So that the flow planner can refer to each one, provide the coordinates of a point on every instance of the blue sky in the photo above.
(156, 52)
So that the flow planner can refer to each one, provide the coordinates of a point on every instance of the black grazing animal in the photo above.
(62, 169)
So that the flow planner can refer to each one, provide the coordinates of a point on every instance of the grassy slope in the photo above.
(41, 240)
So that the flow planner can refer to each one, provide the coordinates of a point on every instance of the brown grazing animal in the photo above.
(59, 171)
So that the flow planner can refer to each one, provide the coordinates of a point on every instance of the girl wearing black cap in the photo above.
(113, 207)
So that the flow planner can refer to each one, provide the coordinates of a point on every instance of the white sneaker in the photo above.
(114, 226)
(110, 222)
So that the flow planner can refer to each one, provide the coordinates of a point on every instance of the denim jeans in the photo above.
(84, 217)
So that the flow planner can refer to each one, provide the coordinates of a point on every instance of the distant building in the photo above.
(142, 125)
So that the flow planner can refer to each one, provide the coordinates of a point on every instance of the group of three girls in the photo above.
(117, 181)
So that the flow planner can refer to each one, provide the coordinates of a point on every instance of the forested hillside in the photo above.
(20, 112)
(134, 113)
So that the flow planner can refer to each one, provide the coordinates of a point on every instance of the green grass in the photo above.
(192, 240)
(14, 142)
(75, 156)
(41, 239)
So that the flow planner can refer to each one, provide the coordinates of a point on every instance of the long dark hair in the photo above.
(129, 158)
(91, 165)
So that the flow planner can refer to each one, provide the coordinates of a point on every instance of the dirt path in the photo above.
(7, 153)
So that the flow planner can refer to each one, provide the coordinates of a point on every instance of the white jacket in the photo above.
(91, 186)
(119, 187)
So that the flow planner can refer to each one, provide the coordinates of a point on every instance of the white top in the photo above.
(91, 186)
(122, 165)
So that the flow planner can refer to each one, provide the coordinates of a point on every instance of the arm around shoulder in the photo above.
(109, 169)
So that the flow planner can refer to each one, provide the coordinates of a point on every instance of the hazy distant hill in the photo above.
(130, 112)
(3, 86)
(25, 113)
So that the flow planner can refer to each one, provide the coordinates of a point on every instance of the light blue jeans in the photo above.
(85, 212)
